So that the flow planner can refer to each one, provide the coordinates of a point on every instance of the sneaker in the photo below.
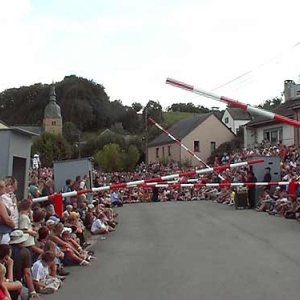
(46, 290)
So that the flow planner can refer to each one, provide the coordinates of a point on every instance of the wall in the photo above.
(230, 123)
(15, 144)
(55, 129)
(249, 137)
(175, 153)
(211, 130)
(4, 152)
(287, 133)
(237, 125)
(69, 169)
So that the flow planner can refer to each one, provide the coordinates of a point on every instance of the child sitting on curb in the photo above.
(43, 282)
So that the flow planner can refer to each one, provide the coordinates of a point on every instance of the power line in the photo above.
(255, 69)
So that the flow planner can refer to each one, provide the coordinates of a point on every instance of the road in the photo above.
(191, 250)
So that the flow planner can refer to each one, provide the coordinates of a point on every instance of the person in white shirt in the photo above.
(9, 198)
(43, 282)
(99, 227)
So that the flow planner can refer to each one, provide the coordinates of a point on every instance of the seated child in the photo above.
(43, 282)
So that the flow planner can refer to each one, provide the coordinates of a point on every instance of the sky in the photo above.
(132, 46)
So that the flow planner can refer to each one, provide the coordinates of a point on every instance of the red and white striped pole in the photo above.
(211, 185)
(182, 145)
(58, 197)
(235, 103)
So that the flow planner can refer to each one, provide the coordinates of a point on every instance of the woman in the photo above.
(6, 222)
(72, 255)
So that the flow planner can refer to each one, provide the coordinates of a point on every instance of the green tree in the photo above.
(153, 110)
(137, 106)
(51, 147)
(271, 104)
(71, 132)
(109, 159)
(131, 158)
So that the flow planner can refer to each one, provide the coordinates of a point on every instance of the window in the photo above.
(163, 151)
(196, 146)
(169, 150)
(273, 135)
(226, 120)
(157, 152)
(53, 123)
(212, 147)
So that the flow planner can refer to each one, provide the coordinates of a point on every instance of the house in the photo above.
(263, 130)
(202, 134)
(234, 117)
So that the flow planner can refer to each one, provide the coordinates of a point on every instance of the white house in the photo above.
(234, 117)
(261, 130)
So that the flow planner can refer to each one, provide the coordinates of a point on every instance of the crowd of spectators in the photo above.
(36, 244)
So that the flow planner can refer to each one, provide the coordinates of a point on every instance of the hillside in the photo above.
(173, 117)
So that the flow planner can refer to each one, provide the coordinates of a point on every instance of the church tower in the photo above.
(52, 115)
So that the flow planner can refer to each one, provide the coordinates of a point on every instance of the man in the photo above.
(115, 201)
(22, 263)
(67, 189)
(268, 176)
(251, 190)
(9, 198)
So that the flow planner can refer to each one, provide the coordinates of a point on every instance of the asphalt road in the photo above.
(191, 250)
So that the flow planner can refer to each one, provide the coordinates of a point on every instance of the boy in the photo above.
(43, 282)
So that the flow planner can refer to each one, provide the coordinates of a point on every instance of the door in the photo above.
(19, 172)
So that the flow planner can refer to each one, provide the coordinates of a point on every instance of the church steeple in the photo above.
(52, 114)
(52, 93)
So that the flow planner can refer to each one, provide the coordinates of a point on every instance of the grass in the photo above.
(173, 117)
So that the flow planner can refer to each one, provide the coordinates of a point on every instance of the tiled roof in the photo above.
(238, 114)
(179, 130)
(285, 109)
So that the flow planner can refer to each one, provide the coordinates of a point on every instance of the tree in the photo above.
(51, 147)
(131, 158)
(153, 109)
(137, 106)
(109, 159)
(71, 132)
(271, 104)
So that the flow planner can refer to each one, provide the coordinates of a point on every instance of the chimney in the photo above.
(289, 90)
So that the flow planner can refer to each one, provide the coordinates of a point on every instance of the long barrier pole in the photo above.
(252, 110)
(225, 184)
(149, 180)
(182, 145)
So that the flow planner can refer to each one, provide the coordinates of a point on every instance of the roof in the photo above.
(179, 130)
(52, 110)
(19, 130)
(238, 114)
(3, 125)
(37, 130)
(286, 109)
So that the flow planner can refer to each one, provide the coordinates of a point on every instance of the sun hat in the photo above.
(18, 237)
(55, 219)
(51, 222)
(67, 229)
